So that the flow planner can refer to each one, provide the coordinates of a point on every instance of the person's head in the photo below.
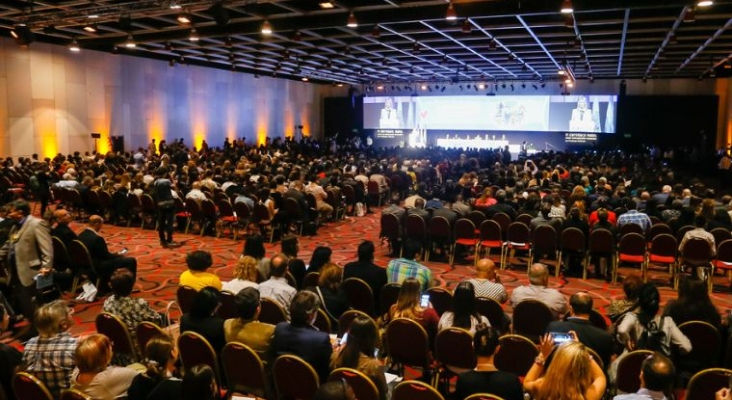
(330, 277)
(278, 265)
(247, 303)
(485, 269)
(199, 260)
(362, 339)
(254, 246)
(388, 103)
(569, 372)
(485, 341)
(93, 353)
(18, 209)
(408, 298)
(160, 355)
(289, 246)
(580, 304)
(304, 307)
(700, 221)
(649, 301)
(411, 248)
(199, 383)
(336, 390)
(246, 269)
(463, 304)
(122, 282)
(631, 286)
(52, 318)
(205, 302)
(321, 256)
(539, 274)
(95, 222)
(62, 216)
(657, 373)
(546, 209)
(366, 251)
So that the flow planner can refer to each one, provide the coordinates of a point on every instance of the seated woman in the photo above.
(486, 378)
(93, 374)
(693, 304)
(197, 277)
(289, 247)
(463, 314)
(486, 199)
(254, 247)
(245, 275)
(359, 353)
(329, 290)
(199, 383)
(408, 306)
(321, 256)
(132, 311)
(201, 318)
(572, 375)
(159, 381)
(246, 328)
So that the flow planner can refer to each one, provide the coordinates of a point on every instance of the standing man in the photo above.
(166, 207)
(28, 252)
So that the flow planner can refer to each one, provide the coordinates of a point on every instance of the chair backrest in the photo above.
(73, 394)
(596, 319)
(601, 241)
(311, 279)
(572, 239)
(441, 299)
(260, 213)
(28, 387)
(517, 354)
(724, 251)
(242, 210)
(148, 204)
(390, 227)
(464, 229)
(664, 244)
(388, 296)
(490, 230)
(272, 312)
(454, 347)
(344, 322)
(208, 208)
(530, 319)
(657, 229)
(632, 244)
(491, 310)
(629, 368)
(322, 321)
(363, 387)
(439, 229)
(483, 396)
(145, 331)
(225, 208)
(720, 235)
(544, 239)
(477, 217)
(227, 309)
(294, 378)
(372, 187)
(292, 208)
(518, 233)
(704, 384)
(185, 296)
(503, 219)
(407, 342)
(682, 231)
(697, 251)
(415, 390)
(525, 218)
(195, 349)
(415, 227)
(193, 208)
(79, 255)
(116, 330)
(243, 369)
(61, 259)
(350, 193)
(706, 346)
(631, 228)
(359, 295)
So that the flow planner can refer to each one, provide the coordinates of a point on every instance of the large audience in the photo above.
(293, 188)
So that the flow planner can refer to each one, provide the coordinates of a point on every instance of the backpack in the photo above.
(654, 338)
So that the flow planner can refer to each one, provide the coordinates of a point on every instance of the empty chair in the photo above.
(195, 349)
(631, 250)
(439, 235)
(572, 243)
(530, 319)
(464, 235)
(697, 252)
(407, 344)
(662, 250)
(294, 378)
(601, 245)
(490, 237)
(185, 295)
(544, 241)
(390, 230)
(415, 228)
(453, 351)
(28, 387)
(415, 390)
(243, 369)
(363, 387)
(518, 237)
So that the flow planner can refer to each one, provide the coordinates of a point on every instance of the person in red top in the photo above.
(611, 218)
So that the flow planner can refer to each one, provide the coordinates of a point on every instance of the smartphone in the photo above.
(560, 337)
(425, 301)
(123, 251)
(344, 339)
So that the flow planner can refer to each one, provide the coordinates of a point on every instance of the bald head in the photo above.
(62, 216)
(581, 304)
(485, 269)
(538, 274)
(657, 372)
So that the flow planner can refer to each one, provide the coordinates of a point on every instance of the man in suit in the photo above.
(580, 306)
(28, 252)
(418, 209)
(62, 230)
(501, 206)
(105, 262)
(301, 338)
(366, 270)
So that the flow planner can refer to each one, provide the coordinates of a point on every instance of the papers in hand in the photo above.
(392, 378)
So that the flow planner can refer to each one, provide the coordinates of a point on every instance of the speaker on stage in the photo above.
(118, 144)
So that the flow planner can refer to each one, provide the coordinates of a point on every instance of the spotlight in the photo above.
(481, 86)
(352, 23)
(74, 46)
(567, 7)
(380, 87)
(266, 28)
(704, 3)
(304, 79)
(184, 18)
(91, 28)
(175, 5)
(423, 87)
(194, 36)
(561, 72)
(326, 4)
(570, 85)
(130, 43)
(339, 84)
(450, 15)
(220, 14)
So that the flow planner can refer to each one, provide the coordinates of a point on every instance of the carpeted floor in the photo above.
(159, 268)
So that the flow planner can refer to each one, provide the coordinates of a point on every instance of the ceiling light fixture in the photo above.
(130, 43)
(451, 15)
(492, 44)
(352, 23)
(704, 3)
(74, 46)
(326, 5)
(466, 26)
(304, 79)
(184, 18)
(297, 37)
(376, 32)
(567, 7)
(266, 28)
(175, 5)
(194, 36)
(91, 28)
(689, 16)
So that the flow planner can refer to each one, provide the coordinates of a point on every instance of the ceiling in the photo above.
(401, 42)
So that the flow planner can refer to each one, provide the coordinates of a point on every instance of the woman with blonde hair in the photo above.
(408, 306)
(93, 374)
(486, 199)
(245, 275)
(572, 375)
(329, 289)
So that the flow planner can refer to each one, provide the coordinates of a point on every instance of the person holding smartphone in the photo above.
(358, 351)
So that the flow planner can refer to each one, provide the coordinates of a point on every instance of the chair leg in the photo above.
(559, 263)
(615, 269)
(585, 263)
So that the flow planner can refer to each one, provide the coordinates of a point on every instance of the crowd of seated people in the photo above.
(562, 190)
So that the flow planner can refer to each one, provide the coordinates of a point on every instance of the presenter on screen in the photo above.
(389, 115)
(582, 119)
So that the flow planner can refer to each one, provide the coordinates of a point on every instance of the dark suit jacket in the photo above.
(590, 335)
(212, 328)
(63, 232)
(96, 245)
(370, 273)
(501, 207)
(305, 342)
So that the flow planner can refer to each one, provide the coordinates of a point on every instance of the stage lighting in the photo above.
(450, 15)
(380, 87)
(74, 46)
(194, 36)
(326, 4)
(704, 3)
(567, 7)
(184, 18)
(304, 79)
(130, 43)
(91, 28)
(352, 23)
(220, 14)
(424, 87)
(481, 86)
(266, 28)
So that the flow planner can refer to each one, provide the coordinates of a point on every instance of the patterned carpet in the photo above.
(159, 268)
